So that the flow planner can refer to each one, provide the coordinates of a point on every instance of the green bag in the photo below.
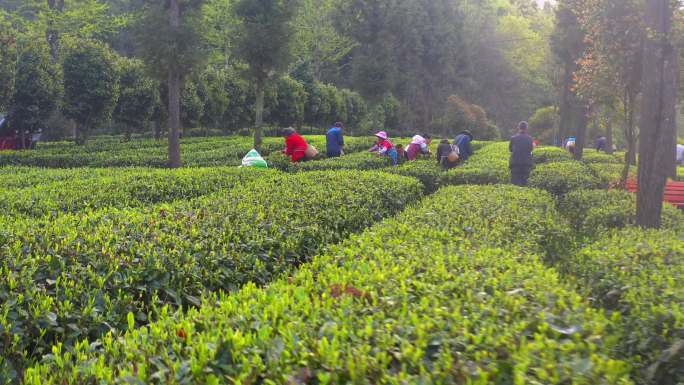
(253, 159)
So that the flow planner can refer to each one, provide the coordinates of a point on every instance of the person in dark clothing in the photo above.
(335, 141)
(443, 151)
(463, 142)
(601, 143)
(521, 163)
(402, 156)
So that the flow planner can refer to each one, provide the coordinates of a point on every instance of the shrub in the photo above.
(80, 275)
(610, 173)
(559, 178)
(428, 172)
(548, 154)
(411, 300)
(489, 165)
(640, 274)
(196, 152)
(592, 156)
(126, 188)
(355, 161)
(592, 212)
(543, 122)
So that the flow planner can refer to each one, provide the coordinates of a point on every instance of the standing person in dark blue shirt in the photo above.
(463, 142)
(335, 141)
(521, 162)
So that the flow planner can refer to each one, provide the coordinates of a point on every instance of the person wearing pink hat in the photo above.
(384, 146)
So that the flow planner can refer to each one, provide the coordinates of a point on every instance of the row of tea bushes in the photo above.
(362, 160)
(640, 275)
(489, 165)
(82, 190)
(610, 174)
(593, 212)
(195, 152)
(559, 178)
(424, 298)
(22, 177)
(81, 275)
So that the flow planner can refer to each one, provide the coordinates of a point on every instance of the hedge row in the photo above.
(122, 188)
(489, 165)
(559, 178)
(80, 275)
(640, 275)
(213, 151)
(548, 154)
(424, 298)
(593, 212)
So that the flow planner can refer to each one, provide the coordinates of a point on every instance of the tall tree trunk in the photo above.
(656, 144)
(174, 96)
(259, 118)
(582, 114)
(609, 130)
(52, 34)
(566, 104)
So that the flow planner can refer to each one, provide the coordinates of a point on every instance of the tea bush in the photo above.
(559, 178)
(640, 274)
(487, 166)
(423, 298)
(195, 152)
(428, 171)
(548, 154)
(610, 173)
(593, 212)
(355, 161)
(121, 188)
(80, 275)
(593, 156)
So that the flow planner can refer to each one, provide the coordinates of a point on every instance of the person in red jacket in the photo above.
(295, 145)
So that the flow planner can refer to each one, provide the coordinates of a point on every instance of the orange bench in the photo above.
(674, 192)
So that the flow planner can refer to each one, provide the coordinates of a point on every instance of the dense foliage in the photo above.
(593, 212)
(425, 297)
(638, 274)
(84, 274)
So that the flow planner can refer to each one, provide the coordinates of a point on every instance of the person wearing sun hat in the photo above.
(383, 146)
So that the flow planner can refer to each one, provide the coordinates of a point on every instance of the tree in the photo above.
(138, 96)
(569, 45)
(193, 99)
(8, 60)
(356, 108)
(611, 67)
(91, 85)
(543, 123)
(318, 42)
(658, 129)
(55, 7)
(263, 42)
(37, 88)
(171, 44)
(291, 98)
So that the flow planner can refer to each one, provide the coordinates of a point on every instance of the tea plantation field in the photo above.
(336, 271)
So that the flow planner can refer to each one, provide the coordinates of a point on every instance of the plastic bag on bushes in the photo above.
(253, 159)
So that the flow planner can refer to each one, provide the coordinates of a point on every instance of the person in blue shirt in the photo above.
(335, 141)
(462, 141)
